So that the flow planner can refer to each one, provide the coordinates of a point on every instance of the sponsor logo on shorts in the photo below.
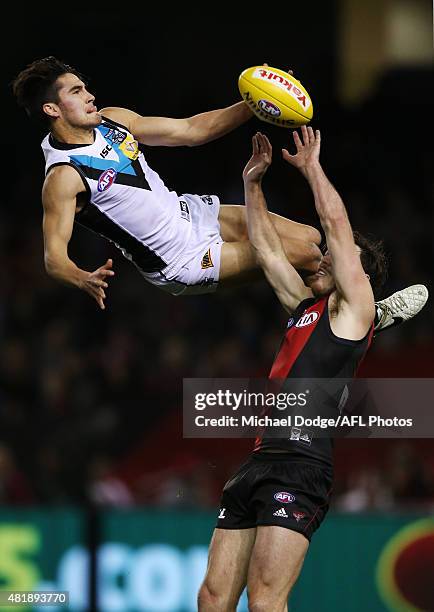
(281, 512)
(106, 179)
(207, 199)
(305, 437)
(185, 213)
(307, 319)
(222, 513)
(269, 108)
(298, 515)
(207, 261)
(284, 497)
(301, 435)
(205, 282)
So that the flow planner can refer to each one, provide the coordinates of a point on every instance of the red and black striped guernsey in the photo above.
(310, 350)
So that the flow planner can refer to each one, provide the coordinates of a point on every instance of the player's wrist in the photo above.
(81, 278)
(253, 182)
(312, 169)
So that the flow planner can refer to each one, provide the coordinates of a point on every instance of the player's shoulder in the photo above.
(123, 117)
(63, 178)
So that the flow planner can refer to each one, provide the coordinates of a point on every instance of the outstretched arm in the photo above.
(196, 130)
(60, 190)
(270, 254)
(351, 281)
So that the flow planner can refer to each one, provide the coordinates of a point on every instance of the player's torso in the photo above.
(127, 202)
(310, 350)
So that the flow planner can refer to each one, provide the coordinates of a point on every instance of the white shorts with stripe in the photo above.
(198, 268)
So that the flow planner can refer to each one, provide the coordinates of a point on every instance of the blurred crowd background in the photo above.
(91, 401)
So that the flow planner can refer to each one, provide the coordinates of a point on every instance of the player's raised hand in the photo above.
(308, 149)
(95, 282)
(258, 164)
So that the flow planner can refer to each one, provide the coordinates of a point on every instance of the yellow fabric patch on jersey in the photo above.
(130, 147)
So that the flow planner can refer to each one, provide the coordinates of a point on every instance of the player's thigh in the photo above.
(238, 264)
(233, 226)
(228, 562)
(275, 564)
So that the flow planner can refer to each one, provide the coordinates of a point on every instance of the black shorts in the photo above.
(272, 489)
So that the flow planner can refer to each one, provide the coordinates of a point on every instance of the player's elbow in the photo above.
(197, 138)
(334, 222)
(51, 263)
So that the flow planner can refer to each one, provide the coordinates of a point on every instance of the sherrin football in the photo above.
(275, 96)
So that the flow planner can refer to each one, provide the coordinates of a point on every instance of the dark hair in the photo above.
(36, 85)
(374, 260)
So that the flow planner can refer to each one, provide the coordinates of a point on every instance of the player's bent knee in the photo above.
(209, 600)
(303, 255)
(316, 235)
(312, 235)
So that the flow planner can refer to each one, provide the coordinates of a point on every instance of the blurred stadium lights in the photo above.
(378, 34)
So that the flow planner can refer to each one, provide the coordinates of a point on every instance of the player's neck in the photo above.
(73, 135)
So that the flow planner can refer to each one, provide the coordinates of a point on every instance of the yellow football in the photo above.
(275, 96)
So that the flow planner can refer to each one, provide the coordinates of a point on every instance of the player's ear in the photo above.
(51, 109)
(368, 277)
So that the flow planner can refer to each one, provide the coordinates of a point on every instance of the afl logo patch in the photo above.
(308, 319)
(284, 497)
(106, 179)
(269, 108)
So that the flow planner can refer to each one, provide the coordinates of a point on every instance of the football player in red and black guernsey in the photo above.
(279, 497)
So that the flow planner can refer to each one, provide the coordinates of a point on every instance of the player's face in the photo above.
(322, 282)
(76, 105)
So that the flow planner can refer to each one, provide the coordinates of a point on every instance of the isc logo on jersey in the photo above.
(307, 319)
(106, 179)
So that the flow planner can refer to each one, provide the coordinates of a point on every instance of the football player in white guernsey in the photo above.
(97, 176)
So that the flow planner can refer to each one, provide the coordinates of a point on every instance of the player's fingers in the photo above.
(268, 148)
(255, 144)
(291, 72)
(297, 140)
(311, 135)
(108, 263)
(103, 272)
(305, 135)
(98, 298)
(267, 144)
(100, 283)
(318, 136)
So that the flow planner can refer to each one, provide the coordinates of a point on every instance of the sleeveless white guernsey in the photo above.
(128, 203)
